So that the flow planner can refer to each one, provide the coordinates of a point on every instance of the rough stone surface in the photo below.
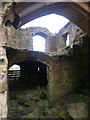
(3, 82)
(23, 38)
(3, 70)
(51, 45)
(73, 30)
(73, 78)
(17, 39)
(3, 105)
(78, 110)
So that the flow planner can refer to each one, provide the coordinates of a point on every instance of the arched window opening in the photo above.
(38, 43)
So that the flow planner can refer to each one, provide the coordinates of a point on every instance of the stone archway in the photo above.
(40, 31)
(77, 12)
(51, 62)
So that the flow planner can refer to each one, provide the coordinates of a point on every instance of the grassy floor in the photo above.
(33, 104)
(22, 103)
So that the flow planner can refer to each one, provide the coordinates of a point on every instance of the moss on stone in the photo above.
(64, 114)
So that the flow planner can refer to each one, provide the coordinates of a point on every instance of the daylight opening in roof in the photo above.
(52, 22)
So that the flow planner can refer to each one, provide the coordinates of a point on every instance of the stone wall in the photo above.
(3, 72)
(4, 10)
(23, 38)
(73, 30)
(58, 42)
(51, 45)
(19, 39)
(74, 69)
(81, 55)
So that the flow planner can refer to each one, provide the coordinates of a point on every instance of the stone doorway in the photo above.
(29, 89)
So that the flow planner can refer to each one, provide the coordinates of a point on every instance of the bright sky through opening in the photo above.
(38, 43)
(15, 67)
(52, 22)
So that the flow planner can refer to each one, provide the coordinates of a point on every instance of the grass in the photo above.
(64, 115)
(22, 103)
(30, 103)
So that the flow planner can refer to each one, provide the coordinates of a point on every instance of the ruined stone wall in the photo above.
(3, 80)
(19, 39)
(73, 30)
(63, 73)
(51, 45)
(23, 38)
(4, 10)
(3, 72)
(74, 69)
(57, 42)
(81, 56)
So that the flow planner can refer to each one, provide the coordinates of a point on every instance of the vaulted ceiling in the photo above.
(77, 12)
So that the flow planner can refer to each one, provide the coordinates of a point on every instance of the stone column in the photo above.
(3, 72)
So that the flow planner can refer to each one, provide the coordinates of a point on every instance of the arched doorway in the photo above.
(26, 89)
(53, 72)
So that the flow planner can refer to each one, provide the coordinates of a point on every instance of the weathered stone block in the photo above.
(78, 110)
(3, 105)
